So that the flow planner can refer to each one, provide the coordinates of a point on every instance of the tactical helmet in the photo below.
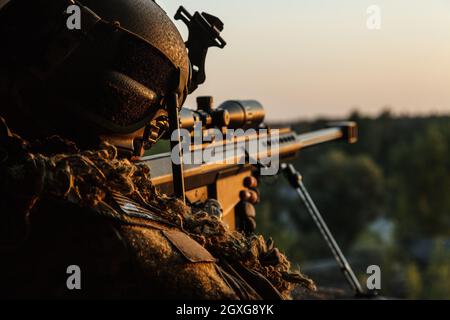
(110, 78)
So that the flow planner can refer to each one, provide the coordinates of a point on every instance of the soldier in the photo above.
(79, 105)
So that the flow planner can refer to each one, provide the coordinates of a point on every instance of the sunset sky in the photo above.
(306, 58)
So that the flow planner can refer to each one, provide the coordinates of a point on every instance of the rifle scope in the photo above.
(232, 114)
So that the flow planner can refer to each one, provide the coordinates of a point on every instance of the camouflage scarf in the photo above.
(87, 178)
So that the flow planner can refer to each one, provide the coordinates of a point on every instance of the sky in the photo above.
(310, 58)
(313, 58)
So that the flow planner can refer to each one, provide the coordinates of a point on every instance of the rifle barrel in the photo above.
(205, 173)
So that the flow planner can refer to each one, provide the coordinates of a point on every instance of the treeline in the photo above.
(387, 199)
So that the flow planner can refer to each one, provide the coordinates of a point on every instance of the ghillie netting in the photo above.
(86, 178)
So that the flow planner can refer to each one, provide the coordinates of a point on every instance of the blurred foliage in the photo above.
(414, 281)
(340, 184)
(438, 274)
(421, 178)
(386, 199)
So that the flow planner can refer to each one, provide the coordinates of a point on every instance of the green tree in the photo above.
(348, 191)
(413, 279)
(421, 184)
(437, 274)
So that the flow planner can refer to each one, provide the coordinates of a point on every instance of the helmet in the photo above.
(111, 78)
